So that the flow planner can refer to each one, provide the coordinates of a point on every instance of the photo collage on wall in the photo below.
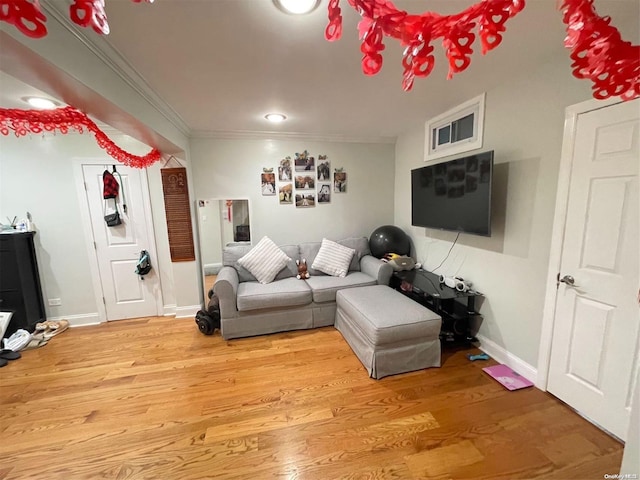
(311, 180)
(305, 180)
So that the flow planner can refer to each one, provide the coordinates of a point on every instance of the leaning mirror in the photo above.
(221, 222)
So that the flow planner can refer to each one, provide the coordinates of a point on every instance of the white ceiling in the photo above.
(221, 65)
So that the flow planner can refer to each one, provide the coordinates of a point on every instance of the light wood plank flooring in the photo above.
(153, 398)
(209, 280)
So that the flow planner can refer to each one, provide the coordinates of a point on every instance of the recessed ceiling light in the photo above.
(275, 117)
(39, 102)
(297, 7)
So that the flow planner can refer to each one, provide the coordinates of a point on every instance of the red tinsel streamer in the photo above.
(599, 53)
(23, 122)
(416, 32)
(27, 16)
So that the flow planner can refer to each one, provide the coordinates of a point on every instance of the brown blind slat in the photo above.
(176, 205)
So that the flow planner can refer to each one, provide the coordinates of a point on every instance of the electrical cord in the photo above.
(445, 258)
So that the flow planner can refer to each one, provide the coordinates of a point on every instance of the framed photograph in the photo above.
(304, 162)
(324, 169)
(305, 200)
(305, 182)
(268, 184)
(285, 194)
(340, 182)
(324, 193)
(284, 170)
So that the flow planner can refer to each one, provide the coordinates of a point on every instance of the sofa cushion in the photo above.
(308, 252)
(232, 253)
(288, 292)
(333, 259)
(265, 260)
(385, 316)
(324, 287)
(361, 246)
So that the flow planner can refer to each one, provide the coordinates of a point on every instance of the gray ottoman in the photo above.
(388, 332)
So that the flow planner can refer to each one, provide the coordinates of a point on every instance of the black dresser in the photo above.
(20, 289)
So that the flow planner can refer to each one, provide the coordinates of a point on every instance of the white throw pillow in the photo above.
(265, 260)
(333, 258)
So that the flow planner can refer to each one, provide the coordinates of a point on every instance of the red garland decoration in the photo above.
(599, 53)
(64, 119)
(416, 32)
(27, 16)
(597, 49)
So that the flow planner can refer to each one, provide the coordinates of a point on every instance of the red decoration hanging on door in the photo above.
(27, 16)
(63, 120)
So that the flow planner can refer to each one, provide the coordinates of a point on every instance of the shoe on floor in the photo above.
(55, 328)
(18, 340)
(7, 354)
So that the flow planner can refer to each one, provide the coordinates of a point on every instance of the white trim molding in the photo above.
(557, 237)
(82, 320)
(111, 57)
(447, 119)
(293, 136)
(507, 358)
(188, 311)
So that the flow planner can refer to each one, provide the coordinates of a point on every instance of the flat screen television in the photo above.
(454, 195)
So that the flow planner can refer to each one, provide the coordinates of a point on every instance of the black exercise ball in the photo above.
(389, 239)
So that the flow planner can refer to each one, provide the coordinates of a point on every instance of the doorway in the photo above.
(114, 251)
(590, 344)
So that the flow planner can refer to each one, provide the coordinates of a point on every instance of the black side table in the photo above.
(456, 308)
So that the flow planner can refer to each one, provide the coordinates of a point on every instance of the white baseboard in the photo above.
(507, 358)
(81, 320)
(212, 268)
(189, 311)
(169, 310)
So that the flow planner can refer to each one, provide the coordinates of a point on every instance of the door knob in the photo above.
(569, 280)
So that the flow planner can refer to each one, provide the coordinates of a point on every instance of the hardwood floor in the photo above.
(153, 398)
(209, 280)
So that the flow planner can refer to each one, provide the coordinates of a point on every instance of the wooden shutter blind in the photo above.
(176, 206)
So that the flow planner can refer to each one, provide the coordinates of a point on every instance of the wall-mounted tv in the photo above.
(454, 195)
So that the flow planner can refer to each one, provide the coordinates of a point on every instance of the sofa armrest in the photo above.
(376, 268)
(226, 288)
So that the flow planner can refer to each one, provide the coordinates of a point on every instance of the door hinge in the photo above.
(85, 186)
(104, 302)
(95, 247)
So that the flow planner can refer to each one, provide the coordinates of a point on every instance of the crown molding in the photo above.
(296, 136)
(113, 59)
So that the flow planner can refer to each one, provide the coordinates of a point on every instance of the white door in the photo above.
(594, 353)
(126, 294)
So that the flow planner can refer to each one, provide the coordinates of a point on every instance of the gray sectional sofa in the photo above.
(248, 307)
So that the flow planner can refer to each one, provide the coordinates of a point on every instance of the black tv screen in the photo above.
(454, 195)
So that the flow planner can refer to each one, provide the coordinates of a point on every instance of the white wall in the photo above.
(231, 169)
(36, 175)
(523, 124)
(113, 100)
